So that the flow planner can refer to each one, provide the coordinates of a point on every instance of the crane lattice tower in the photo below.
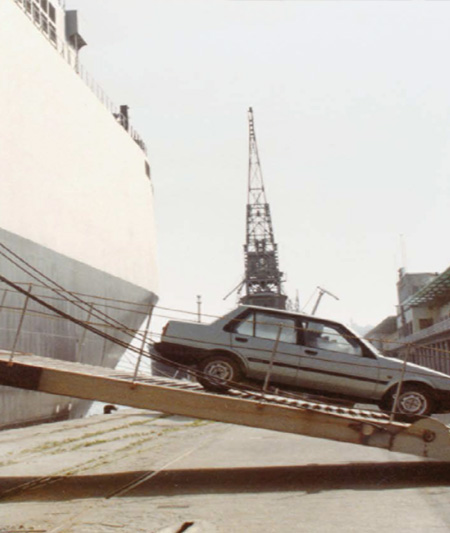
(263, 279)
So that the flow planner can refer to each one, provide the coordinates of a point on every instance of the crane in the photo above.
(321, 293)
(263, 278)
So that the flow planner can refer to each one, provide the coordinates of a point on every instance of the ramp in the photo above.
(426, 438)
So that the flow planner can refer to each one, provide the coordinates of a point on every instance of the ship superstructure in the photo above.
(76, 203)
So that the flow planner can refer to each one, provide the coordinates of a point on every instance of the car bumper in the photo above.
(176, 353)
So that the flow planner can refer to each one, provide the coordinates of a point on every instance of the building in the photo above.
(422, 322)
(385, 334)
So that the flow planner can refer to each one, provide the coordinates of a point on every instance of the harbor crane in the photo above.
(321, 293)
(263, 278)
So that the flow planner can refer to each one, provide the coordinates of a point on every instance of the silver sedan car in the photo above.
(298, 352)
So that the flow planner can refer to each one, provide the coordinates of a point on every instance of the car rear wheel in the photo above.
(414, 400)
(219, 371)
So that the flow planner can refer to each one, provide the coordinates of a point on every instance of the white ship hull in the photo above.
(76, 203)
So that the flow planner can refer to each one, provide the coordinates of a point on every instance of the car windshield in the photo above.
(366, 343)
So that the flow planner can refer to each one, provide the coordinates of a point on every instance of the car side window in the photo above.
(268, 327)
(247, 326)
(326, 337)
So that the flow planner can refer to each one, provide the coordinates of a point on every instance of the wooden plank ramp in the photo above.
(426, 437)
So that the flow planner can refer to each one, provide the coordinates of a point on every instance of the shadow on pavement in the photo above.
(308, 478)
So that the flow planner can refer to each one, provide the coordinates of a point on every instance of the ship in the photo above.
(77, 230)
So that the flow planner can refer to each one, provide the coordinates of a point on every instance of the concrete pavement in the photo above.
(140, 472)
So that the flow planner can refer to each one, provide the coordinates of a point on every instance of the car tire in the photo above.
(415, 401)
(218, 372)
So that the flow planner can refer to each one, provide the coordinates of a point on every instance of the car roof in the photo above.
(306, 316)
(285, 312)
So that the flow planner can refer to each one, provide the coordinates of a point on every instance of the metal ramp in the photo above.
(426, 438)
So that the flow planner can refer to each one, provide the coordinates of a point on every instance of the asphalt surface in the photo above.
(143, 472)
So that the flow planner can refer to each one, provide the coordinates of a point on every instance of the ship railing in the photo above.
(105, 303)
(106, 306)
(90, 310)
(71, 315)
(32, 9)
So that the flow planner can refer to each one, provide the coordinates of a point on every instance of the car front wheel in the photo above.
(414, 400)
(218, 372)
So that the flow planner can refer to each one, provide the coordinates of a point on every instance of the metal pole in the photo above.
(272, 357)
(321, 293)
(19, 329)
(199, 309)
(5, 294)
(400, 383)
(83, 335)
(144, 340)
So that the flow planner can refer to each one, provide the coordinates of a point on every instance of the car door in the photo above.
(334, 360)
(268, 342)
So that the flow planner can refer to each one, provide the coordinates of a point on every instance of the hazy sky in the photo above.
(352, 113)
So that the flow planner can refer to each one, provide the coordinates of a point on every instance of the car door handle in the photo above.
(311, 352)
(240, 339)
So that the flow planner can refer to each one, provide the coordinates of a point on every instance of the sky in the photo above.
(351, 104)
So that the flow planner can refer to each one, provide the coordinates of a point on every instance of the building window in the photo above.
(44, 24)
(51, 12)
(52, 33)
(36, 14)
(425, 323)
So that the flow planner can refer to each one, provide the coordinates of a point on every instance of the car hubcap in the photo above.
(412, 403)
(219, 369)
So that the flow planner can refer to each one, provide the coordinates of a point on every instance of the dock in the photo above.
(426, 437)
(146, 472)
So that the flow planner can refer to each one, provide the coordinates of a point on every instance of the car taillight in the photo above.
(164, 329)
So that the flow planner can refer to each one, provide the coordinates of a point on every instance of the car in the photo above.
(298, 352)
